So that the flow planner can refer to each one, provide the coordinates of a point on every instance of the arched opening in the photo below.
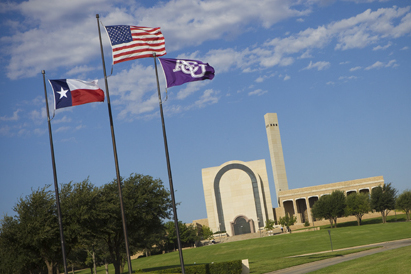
(302, 209)
(349, 192)
(365, 191)
(256, 195)
(288, 208)
(311, 201)
(242, 225)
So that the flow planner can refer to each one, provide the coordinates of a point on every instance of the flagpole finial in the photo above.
(43, 71)
(97, 15)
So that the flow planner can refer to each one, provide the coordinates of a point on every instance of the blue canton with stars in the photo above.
(119, 34)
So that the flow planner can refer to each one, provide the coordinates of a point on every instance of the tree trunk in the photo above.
(49, 267)
(72, 268)
(106, 266)
(358, 220)
(94, 262)
(383, 216)
(331, 222)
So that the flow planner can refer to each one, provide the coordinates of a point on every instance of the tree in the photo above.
(358, 205)
(383, 200)
(206, 233)
(79, 204)
(14, 257)
(269, 224)
(38, 228)
(188, 235)
(146, 204)
(330, 207)
(404, 202)
(288, 220)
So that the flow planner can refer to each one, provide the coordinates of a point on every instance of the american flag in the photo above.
(131, 42)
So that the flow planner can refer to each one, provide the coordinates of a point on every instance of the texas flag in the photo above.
(71, 92)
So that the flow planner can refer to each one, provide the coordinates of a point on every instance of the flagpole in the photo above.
(170, 178)
(56, 188)
(115, 152)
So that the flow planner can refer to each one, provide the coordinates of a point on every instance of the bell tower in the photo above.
(276, 152)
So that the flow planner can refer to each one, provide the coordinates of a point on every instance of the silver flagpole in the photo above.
(115, 152)
(56, 188)
(170, 178)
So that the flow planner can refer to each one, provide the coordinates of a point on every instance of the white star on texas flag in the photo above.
(63, 93)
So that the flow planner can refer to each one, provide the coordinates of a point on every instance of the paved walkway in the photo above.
(309, 267)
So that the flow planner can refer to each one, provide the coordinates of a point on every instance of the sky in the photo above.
(337, 73)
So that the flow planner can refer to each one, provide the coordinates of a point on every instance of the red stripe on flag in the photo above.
(84, 96)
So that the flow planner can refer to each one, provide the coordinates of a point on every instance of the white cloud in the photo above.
(405, 48)
(5, 131)
(376, 65)
(80, 69)
(344, 63)
(258, 92)
(355, 68)
(209, 97)
(392, 63)
(135, 95)
(320, 65)
(190, 88)
(382, 47)
(186, 22)
(14, 117)
(39, 44)
(62, 129)
(330, 83)
(287, 77)
(347, 77)
(64, 119)
(260, 79)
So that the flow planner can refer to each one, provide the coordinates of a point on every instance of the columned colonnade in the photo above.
(299, 202)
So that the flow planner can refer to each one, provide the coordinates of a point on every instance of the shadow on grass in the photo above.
(373, 221)
(153, 269)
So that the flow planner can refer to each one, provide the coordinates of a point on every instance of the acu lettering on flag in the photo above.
(180, 71)
(132, 42)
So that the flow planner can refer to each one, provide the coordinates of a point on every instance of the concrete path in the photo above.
(309, 267)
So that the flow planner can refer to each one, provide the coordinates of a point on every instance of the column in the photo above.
(296, 212)
(310, 217)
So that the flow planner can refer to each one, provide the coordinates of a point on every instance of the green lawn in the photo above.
(270, 253)
(392, 261)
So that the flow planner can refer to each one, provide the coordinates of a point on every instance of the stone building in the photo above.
(237, 194)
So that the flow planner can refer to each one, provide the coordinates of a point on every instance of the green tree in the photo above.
(14, 257)
(330, 207)
(146, 204)
(206, 233)
(383, 200)
(79, 206)
(188, 235)
(358, 205)
(404, 202)
(269, 224)
(38, 226)
(288, 220)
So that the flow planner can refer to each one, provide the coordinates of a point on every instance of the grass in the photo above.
(392, 261)
(270, 253)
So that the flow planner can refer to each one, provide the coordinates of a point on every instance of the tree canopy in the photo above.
(92, 223)
(358, 204)
(383, 200)
(330, 207)
(404, 202)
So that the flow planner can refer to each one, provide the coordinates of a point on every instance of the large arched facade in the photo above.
(237, 192)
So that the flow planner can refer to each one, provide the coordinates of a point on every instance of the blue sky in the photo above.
(337, 73)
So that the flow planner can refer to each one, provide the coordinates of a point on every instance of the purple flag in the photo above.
(179, 71)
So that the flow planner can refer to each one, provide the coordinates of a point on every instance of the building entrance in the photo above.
(241, 226)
